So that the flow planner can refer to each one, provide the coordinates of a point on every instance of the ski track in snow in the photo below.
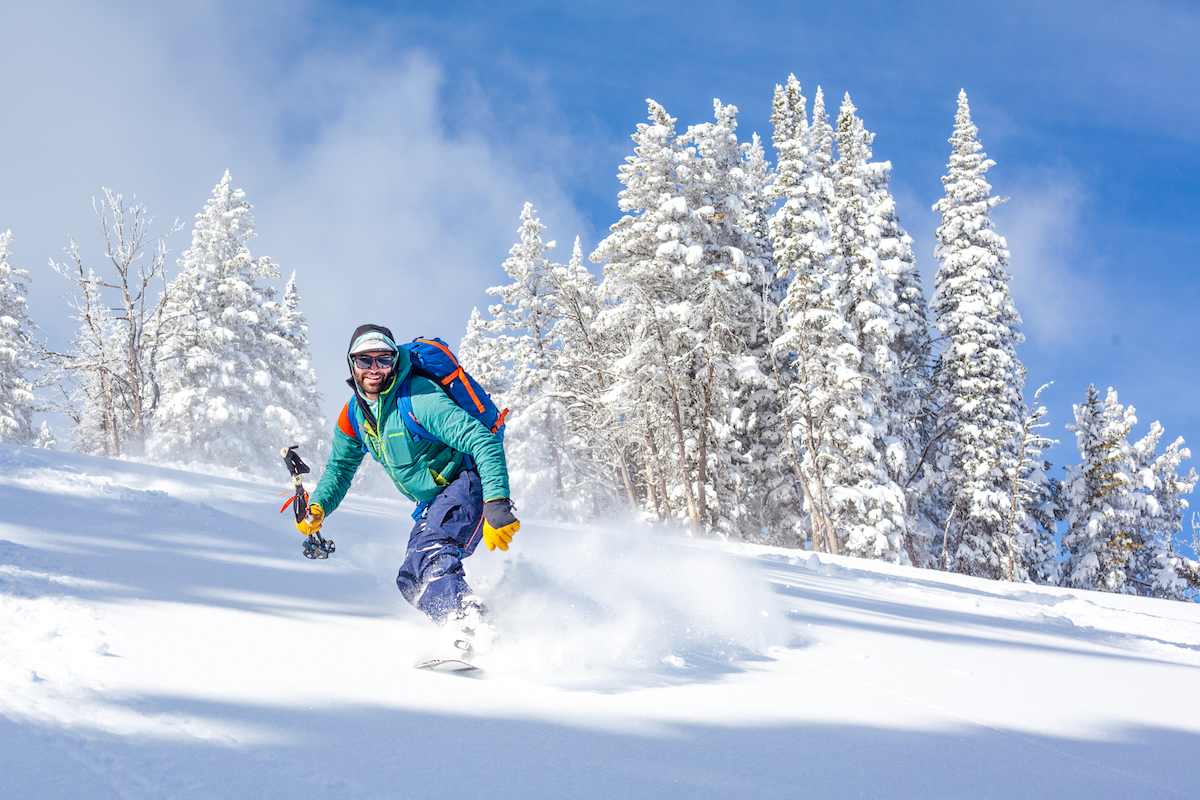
(162, 636)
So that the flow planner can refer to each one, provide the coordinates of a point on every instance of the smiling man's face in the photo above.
(371, 379)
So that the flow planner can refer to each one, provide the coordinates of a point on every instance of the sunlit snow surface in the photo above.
(162, 636)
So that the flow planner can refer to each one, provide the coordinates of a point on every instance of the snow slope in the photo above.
(161, 636)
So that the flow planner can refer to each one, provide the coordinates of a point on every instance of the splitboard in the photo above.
(449, 665)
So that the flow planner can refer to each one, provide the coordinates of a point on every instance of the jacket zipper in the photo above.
(381, 449)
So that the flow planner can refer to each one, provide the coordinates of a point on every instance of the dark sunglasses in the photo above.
(366, 362)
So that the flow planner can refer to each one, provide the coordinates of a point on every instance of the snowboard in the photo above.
(452, 665)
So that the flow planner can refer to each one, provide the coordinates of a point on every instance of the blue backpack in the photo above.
(432, 359)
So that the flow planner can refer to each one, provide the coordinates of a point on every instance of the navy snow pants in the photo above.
(431, 577)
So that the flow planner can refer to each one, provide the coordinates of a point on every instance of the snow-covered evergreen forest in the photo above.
(208, 368)
(758, 361)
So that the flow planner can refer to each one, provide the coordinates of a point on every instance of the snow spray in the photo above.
(591, 605)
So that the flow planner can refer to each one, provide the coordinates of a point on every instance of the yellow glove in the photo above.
(499, 524)
(316, 515)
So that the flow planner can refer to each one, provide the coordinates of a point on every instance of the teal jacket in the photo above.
(420, 470)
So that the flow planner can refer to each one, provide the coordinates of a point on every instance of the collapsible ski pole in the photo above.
(315, 546)
(297, 469)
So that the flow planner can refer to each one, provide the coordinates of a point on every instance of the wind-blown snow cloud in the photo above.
(392, 220)
(358, 184)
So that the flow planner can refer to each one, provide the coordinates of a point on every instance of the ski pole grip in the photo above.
(296, 467)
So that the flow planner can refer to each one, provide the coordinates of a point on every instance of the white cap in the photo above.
(371, 342)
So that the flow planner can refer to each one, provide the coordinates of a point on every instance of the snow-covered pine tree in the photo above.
(978, 376)
(526, 315)
(45, 439)
(217, 370)
(596, 449)
(1124, 505)
(681, 284)
(16, 352)
(486, 352)
(792, 141)
(768, 490)
(909, 401)
(812, 350)
(1102, 517)
(646, 292)
(292, 413)
(725, 272)
(1163, 569)
(1031, 552)
(868, 504)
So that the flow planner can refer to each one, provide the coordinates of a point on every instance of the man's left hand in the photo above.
(499, 524)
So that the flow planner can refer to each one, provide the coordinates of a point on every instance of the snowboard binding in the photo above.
(315, 546)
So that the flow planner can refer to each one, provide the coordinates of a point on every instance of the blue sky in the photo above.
(388, 148)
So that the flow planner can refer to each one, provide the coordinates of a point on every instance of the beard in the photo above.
(373, 385)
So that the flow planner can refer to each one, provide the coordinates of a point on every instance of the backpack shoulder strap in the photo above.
(348, 423)
(405, 406)
(451, 375)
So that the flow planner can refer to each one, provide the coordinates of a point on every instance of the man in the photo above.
(460, 482)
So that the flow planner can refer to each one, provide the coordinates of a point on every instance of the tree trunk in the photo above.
(135, 385)
(946, 538)
(1010, 569)
(815, 514)
(552, 446)
(702, 465)
(547, 421)
(652, 490)
(702, 468)
(815, 437)
(633, 504)
(831, 542)
(685, 473)
(108, 415)
(661, 475)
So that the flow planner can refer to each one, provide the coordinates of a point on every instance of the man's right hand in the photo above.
(316, 515)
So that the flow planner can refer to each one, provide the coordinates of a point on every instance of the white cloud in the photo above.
(1059, 305)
